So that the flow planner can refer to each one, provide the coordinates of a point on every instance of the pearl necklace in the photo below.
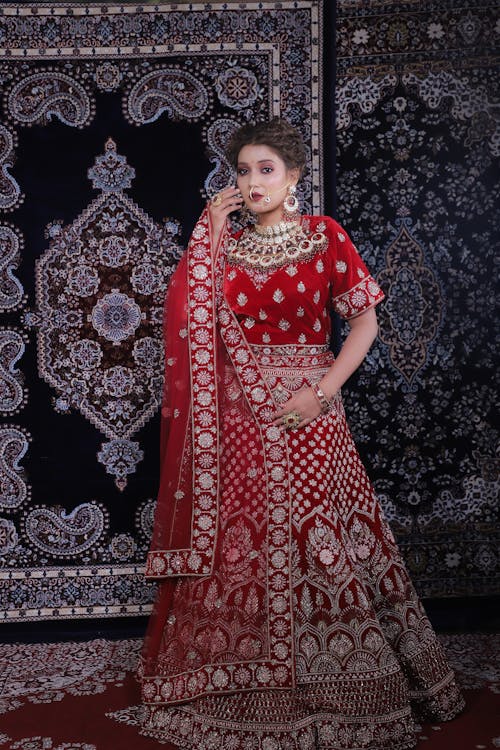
(269, 247)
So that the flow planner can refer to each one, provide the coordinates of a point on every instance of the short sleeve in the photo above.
(354, 289)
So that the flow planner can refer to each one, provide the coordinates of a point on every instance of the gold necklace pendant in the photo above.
(270, 247)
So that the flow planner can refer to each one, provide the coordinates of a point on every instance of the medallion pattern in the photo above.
(410, 319)
(98, 334)
(237, 87)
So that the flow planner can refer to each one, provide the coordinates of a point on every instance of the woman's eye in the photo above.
(242, 170)
(267, 170)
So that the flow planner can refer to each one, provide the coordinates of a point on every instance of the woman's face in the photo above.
(263, 173)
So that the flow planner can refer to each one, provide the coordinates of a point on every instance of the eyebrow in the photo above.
(261, 161)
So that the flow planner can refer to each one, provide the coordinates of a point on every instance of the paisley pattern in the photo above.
(62, 534)
(46, 94)
(13, 446)
(217, 136)
(170, 90)
(11, 290)
(13, 393)
(10, 192)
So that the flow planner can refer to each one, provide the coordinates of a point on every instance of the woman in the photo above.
(285, 617)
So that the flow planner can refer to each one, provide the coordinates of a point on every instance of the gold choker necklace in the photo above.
(277, 233)
(269, 247)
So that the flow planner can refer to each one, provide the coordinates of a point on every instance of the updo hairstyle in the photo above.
(277, 134)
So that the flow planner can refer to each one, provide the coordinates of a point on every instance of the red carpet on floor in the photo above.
(83, 696)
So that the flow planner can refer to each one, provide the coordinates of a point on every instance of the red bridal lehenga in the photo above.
(285, 617)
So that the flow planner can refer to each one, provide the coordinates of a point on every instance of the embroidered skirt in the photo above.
(364, 658)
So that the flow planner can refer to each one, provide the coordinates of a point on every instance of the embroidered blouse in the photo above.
(290, 304)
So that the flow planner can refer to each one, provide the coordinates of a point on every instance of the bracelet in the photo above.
(324, 402)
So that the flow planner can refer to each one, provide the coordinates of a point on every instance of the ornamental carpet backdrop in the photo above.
(418, 140)
(113, 125)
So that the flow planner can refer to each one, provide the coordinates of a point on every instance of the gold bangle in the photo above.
(324, 402)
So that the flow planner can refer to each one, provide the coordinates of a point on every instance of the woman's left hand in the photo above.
(304, 404)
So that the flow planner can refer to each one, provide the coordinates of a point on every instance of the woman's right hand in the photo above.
(220, 206)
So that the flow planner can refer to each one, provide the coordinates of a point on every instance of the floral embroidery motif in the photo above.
(364, 295)
(335, 562)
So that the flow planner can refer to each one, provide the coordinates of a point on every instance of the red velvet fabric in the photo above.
(285, 612)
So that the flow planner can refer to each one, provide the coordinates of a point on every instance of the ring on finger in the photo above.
(292, 420)
(217, 200)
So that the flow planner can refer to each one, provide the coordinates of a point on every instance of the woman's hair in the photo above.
(277, 134)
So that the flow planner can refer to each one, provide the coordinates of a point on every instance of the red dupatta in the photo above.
(186, 512)
(203, 337)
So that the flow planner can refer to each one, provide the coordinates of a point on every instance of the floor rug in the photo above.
(83, 696)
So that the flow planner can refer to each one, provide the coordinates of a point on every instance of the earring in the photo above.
(267, 198)
(291, 204)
